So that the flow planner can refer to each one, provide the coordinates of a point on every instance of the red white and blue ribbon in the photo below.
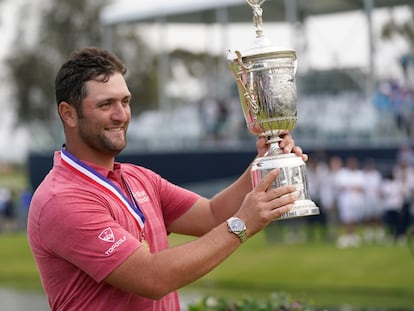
(103, 184)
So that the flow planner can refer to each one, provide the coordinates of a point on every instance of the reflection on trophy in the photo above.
(265, 77)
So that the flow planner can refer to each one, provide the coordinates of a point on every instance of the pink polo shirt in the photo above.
(79, 235)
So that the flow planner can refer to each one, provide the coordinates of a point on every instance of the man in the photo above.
(98, 229)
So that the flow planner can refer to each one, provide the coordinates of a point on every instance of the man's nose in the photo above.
(120, 112)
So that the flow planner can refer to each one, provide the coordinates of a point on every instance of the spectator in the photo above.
(329, 194)
(405, 154)
(404, 174)
(9, 213)
(351, 202)
(392, 201)
(316, 224)
(373, 228)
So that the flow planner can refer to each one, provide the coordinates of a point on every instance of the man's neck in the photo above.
(99, 159)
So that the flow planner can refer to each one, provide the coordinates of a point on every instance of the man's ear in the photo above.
(68, 114)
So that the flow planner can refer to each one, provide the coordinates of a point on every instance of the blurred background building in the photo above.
(353, 88)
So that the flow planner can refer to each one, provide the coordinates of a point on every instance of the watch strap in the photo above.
(242, 233)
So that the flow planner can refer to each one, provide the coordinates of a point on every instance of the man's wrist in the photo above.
(236, 226)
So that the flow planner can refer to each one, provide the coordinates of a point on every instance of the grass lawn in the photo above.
(17, 267)
(377, 275)
(369, 276)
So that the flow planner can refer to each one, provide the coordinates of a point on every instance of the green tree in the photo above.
(64, 26)
(404, 29)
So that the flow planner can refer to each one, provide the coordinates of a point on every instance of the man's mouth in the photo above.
(115, 129)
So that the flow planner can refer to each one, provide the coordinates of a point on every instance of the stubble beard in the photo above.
(104, 144)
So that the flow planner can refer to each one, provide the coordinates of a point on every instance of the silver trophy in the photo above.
(265, 76)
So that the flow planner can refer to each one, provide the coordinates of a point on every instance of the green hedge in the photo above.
(276, 302)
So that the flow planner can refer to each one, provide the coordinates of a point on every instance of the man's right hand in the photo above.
(265, 204)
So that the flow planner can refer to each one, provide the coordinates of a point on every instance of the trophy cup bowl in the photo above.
(265, 76)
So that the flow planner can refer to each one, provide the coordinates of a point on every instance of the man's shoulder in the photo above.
(138, 170)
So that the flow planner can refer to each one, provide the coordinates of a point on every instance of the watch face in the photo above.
(236, 225)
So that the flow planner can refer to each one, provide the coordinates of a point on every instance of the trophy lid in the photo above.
(262, 49)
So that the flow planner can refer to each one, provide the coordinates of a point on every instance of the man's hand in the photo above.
(287, 144)
(265, 204)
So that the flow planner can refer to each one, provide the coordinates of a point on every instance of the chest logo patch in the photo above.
(141, 197)
(107, 235)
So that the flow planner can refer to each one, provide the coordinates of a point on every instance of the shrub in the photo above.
(276, 302)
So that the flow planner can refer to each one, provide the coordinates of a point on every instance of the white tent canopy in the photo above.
(204, 11)
(150, 10)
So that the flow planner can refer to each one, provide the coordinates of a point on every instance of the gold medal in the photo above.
(146, 244)
(143, 241)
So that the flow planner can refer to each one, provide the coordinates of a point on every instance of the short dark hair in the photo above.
(82, 66)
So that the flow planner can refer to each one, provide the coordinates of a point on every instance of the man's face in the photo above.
(106, 115)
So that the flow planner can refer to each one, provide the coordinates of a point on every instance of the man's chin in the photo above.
(115, 150)
(112, 152)
(119, 149)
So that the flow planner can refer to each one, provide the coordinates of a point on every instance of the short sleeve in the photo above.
(80, 229)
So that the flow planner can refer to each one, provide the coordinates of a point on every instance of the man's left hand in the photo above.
(287, 144)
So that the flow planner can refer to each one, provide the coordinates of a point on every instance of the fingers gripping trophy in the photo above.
(265, 76)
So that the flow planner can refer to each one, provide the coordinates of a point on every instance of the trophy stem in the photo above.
(274, 148)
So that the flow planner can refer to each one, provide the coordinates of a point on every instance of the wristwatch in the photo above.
(237, 227)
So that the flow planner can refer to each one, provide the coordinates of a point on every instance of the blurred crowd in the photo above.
(14, 207)
(361, 204)
(397, 99)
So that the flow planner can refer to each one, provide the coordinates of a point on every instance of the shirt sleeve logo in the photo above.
(107, 235)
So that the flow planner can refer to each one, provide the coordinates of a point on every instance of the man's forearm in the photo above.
(227, 202)
(155, 275)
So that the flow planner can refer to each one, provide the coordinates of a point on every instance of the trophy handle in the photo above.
(248, 95)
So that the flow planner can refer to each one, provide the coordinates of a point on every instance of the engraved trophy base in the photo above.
(292, 172)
